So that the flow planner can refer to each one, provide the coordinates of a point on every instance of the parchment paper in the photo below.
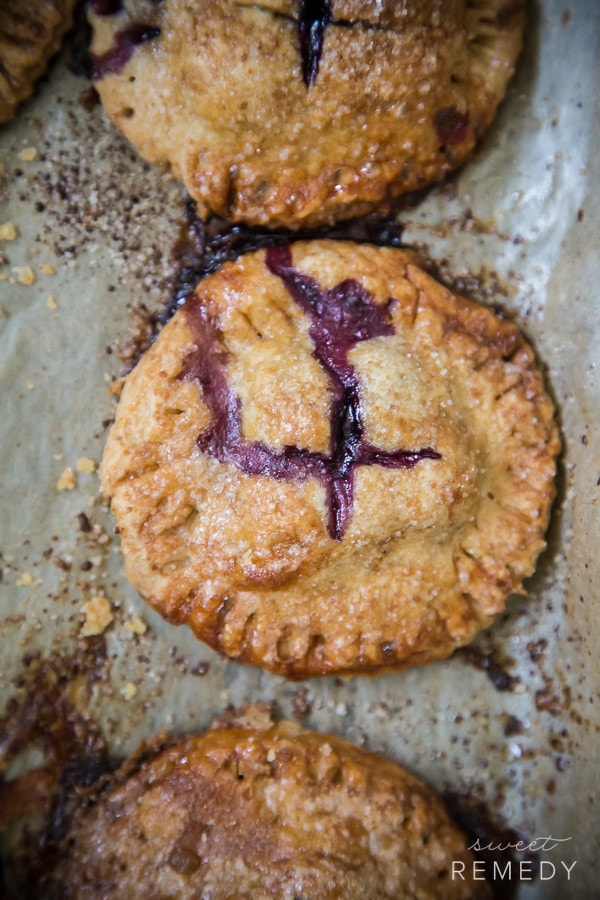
(519, 226)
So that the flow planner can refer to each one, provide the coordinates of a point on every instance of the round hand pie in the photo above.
(31, 32)
(280, 813)
(329, 463)
(303, 112)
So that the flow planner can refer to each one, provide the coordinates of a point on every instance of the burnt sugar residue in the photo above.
(202, 247)
(315, 16)
(498, 850)
(48, 713)
(143, 328)
(341, 317)
(126, 41)
(493, 664)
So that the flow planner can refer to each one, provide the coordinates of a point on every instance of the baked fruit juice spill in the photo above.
(106, 7)
(341, 317)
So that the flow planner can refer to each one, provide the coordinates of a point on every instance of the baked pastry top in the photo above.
(327, 462)
(31, 32)
(289, 112)
(280, 813)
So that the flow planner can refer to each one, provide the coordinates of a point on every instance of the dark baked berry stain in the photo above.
(315, 16)
(342, 317)
(452, 127)
(114, 60)
(106, 7)
(508, 11)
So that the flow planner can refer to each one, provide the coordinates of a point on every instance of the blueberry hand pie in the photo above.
(328, 463)
(304, 112)
(279, 813)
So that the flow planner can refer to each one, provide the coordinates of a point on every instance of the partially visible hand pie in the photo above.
(329, 463)
(31, 32)
(288, 112)
(281, 813)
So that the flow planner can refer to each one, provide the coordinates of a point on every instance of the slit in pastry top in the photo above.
(341, 317)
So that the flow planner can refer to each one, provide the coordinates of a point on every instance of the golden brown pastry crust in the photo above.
(281, 813)
(404, 91)
(426, 556)
(31, 32)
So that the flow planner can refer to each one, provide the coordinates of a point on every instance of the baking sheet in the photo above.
(513, 723)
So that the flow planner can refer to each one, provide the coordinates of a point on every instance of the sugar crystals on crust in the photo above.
(277, 813)
(291, 113)
(329, 463)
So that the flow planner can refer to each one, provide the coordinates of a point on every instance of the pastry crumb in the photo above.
(25, 579)
(51, 302)
(67, 480)
(129, 691)
(8, 232)
(25, 274)
(28, 154)
(98, 616)
(48, 270)
(86, 465)
(116, 386)
(136, 625)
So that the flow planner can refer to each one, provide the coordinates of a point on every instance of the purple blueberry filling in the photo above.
(341, 317)
(315, 16)
(114, 60)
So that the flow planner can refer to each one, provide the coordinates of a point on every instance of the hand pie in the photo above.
(292, 113)
(31, 32)
(280, 813)
(328, 463)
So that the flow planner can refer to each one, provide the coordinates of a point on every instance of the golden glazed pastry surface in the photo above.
(31, 32)
(352, 486)
(217, 93)
(283, 813)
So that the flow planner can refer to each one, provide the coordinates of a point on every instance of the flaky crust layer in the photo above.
(309, 571)
(31, 32)
(215, 92)
(283, 813)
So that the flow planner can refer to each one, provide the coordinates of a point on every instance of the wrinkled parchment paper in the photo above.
(94, 228)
